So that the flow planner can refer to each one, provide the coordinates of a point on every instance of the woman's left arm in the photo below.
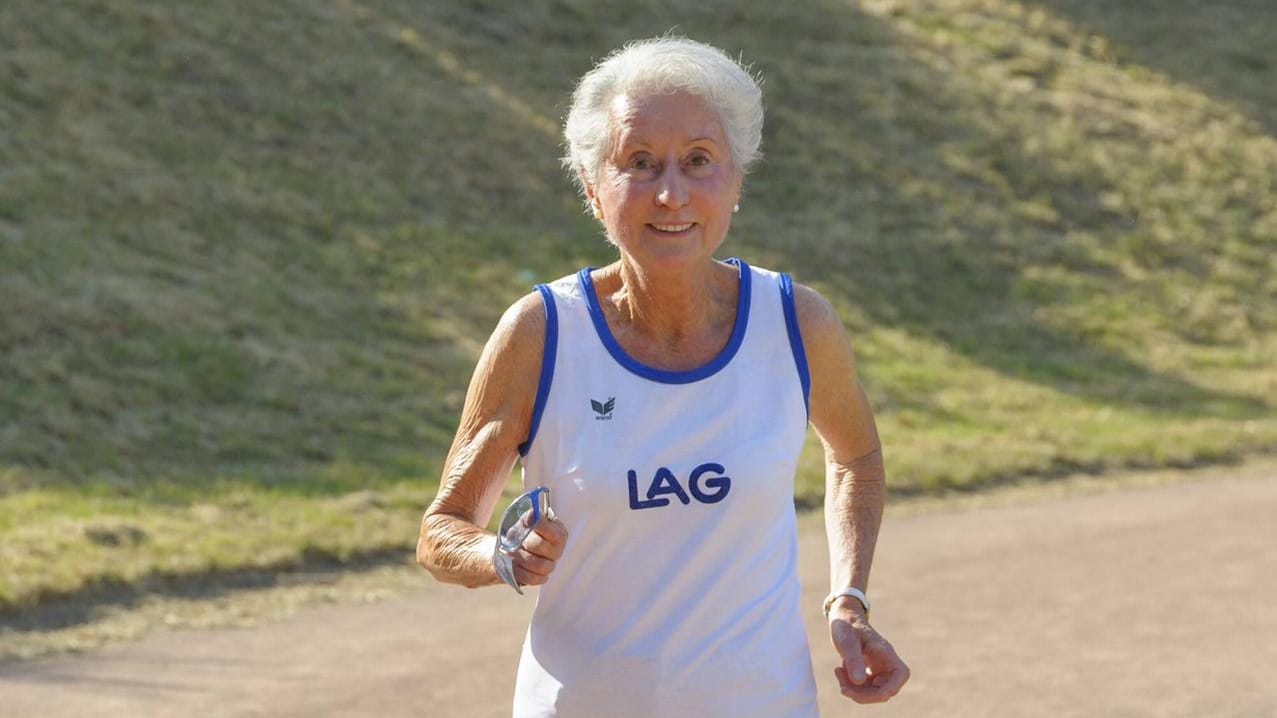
(855, 490)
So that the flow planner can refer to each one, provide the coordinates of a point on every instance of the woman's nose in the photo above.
(673, 188)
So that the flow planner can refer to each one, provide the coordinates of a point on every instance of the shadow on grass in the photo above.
(310, 280)
(908, 193)
(932, 221)
(297, 265)
(1225, 49)
(53, 611)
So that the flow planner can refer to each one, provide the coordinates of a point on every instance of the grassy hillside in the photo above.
(249, 252)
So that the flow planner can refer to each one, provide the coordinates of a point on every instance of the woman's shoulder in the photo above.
(522, 324)
(511, 358)
(815, 313)
(823, 335)
(505, 378)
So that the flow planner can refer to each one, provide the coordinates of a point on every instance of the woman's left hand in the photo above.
(871, 672)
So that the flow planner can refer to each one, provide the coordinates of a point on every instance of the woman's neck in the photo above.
(672, 306)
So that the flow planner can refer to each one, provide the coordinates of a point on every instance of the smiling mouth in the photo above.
(672, 228)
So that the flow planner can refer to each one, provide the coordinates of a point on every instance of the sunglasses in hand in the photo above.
(520, 518)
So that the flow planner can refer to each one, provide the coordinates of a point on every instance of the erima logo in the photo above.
(603, 408)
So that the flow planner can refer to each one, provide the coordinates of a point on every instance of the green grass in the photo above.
(249, 254)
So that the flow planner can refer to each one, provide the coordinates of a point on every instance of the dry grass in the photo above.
(248, 255)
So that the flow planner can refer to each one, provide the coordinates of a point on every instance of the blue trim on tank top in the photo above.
(547, 365)
(662, 375)
(795, 338)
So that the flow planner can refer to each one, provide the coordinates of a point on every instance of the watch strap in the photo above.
(849, 591)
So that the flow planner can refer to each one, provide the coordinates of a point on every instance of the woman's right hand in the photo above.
(541, 550)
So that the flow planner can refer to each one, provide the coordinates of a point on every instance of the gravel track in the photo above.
(1149, 601)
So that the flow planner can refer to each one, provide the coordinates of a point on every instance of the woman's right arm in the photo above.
(453, 545)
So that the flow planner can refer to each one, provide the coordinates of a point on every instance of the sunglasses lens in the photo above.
(516, 524)
(505, 569)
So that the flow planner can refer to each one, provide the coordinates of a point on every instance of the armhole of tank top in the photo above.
(547, 365)
(795, 338)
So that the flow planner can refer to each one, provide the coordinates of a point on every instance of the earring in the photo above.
(735, 209)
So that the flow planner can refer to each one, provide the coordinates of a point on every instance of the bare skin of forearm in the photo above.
(855, 493)
(452, 546)
(459, 552)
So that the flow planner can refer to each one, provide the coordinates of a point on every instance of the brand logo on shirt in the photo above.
(708, 490)
(603, 408)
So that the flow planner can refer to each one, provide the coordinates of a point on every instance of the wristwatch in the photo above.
(849, 591)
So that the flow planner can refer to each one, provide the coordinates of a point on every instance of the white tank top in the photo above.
(678, 592)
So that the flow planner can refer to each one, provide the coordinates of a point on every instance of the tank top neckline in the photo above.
(667, 376)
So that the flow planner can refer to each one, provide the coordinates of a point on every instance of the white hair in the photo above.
(662, 65)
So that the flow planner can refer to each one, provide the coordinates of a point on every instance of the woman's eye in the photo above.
(698, 160)
(643, 163)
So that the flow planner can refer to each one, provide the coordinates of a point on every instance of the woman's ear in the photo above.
(590, 194)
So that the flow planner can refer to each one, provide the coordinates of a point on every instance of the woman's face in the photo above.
(666, 192)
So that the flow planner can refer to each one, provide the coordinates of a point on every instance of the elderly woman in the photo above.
(663, 401)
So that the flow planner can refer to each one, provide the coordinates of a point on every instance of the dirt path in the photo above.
(1156, 601)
